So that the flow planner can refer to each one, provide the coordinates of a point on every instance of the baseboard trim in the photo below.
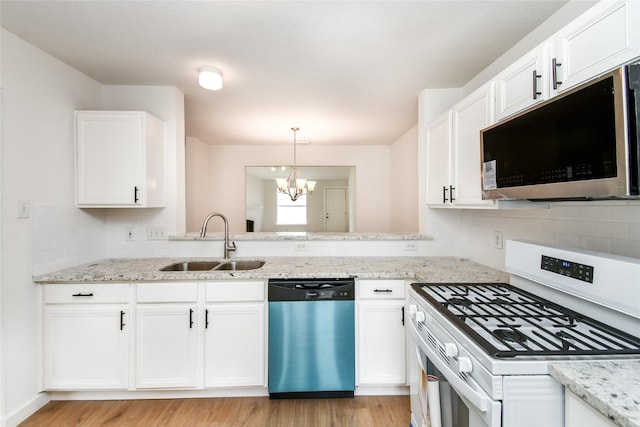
(25, 411)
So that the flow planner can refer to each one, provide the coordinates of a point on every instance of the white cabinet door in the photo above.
(381, 343)
(438, 155)
(234, 344)
(473, 113)
(603, 38)
(523, 84)
(120, 159)
(86, 347)
(166, 345)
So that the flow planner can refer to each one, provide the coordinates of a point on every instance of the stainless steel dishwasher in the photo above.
(311, 338)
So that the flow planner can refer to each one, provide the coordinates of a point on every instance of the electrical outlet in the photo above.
(497, 239)
(411, 246)
(300, 246)
(129, 235)
(155, 232)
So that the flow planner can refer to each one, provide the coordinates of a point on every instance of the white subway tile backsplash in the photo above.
(64, 236)
(611, 227)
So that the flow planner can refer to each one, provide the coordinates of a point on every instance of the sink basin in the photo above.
(238, 265)
(190, 266)
(213, 266)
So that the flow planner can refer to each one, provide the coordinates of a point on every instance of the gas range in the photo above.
(491, 343)
(509, 322)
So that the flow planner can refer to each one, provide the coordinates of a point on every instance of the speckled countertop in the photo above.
(302, 235)
(611, 387)
(431, 269)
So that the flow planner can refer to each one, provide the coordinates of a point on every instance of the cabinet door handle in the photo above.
(451, 188)
(444, 194)
(190, 318)
(536, 76)
(80, 294)
(403, 315)
(554, 72)
(386, 291)
(206, 319)
(122, 320)
(136, 199)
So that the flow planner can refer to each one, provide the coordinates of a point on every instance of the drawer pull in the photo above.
(122, 320)
(385, 291)
(80, 294)
(190, 318)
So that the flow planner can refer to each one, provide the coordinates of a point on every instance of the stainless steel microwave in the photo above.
(582, 144)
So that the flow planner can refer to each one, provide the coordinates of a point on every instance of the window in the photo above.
(291, 213)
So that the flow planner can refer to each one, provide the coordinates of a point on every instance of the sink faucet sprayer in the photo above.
(227, 247)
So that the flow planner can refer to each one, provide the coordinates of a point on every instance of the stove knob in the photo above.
(464, 365)
(450, 349)
(413, 309)
(420, 316)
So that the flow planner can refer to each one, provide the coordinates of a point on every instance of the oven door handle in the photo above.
(475, 398)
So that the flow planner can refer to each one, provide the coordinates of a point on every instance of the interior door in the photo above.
(335, 209)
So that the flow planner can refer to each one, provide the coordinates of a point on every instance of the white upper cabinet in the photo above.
(472, 114)
(438, 155)
(453, 151)
(523, 84)
(603, 38)
(120, 159)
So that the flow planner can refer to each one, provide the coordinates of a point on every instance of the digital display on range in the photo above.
(571, 269)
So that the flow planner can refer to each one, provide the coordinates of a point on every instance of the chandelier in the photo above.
(293, 186)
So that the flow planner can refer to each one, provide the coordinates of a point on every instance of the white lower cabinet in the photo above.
(579, 413)
(381, 332)
(86, 337)
(166, 335)
(235, 334)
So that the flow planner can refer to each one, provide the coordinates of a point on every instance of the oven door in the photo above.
(439, 395)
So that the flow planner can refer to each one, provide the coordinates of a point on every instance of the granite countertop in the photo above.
(302, 235)
(425, 269)
(611, 387)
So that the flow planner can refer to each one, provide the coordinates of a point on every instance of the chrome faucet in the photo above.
(203, 233)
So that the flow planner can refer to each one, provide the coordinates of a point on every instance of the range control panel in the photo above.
(567, 268)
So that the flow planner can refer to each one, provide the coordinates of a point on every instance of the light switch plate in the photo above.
(24, 209)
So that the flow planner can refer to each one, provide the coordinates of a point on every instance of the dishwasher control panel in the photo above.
(311, 289)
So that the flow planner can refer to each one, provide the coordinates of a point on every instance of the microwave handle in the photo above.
(477, 399)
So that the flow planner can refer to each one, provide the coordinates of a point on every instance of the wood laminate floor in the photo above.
(369, 411)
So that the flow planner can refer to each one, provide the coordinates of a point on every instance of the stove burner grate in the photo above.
(507, 322)
(512, 336)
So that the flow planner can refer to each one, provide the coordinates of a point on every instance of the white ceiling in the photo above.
(344, 72)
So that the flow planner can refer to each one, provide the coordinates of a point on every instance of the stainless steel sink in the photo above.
(191, 266)
(213, 266)
(238, 265)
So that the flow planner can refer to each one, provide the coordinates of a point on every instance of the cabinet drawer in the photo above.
(167, 292)
(86, 293)
(381, 289)
(235, 291)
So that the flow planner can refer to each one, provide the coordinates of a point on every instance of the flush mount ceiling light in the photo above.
(294, 186)
(210, 78)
